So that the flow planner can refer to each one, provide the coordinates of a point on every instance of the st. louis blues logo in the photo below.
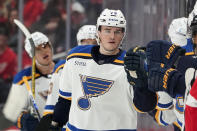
(92, 87)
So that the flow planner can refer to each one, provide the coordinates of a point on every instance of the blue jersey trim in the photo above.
(67, 94)
(81, 49)
(73, 128)
(59, 63)
(164, 105)
(180, 123)
(49, 107)
(189, 46)
(18, 77)
(161, 120)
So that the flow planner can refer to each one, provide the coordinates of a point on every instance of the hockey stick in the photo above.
(31, 97)
(28, 36)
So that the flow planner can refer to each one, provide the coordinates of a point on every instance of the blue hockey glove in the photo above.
(160, 51)
(135, 63)
(164, 79)
(27, 122)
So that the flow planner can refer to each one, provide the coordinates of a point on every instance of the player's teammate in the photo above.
(18, 107)
(94, 92)
(85, 36)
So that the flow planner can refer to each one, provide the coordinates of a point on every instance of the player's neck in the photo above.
(106, 52)
(45, 69)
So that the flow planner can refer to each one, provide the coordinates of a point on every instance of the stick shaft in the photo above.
(31, 97)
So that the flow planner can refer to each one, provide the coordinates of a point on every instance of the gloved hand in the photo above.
(27, 122)
(160, 51)
(135, 64)
(45, 124)
(163, 79)
(136, 69)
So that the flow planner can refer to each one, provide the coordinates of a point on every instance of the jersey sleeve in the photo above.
(164, 117)
(65, 89)
(164, 101)
(16, 102)
(53, 94)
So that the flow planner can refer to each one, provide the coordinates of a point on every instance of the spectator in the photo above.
(8, 61)
(13, 30)
(36, 8)
(78, 18)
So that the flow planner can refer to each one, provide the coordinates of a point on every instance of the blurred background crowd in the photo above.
(60, 20)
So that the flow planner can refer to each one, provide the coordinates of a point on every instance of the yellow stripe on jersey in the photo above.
(176, 123)
(47, 112)
(119, 61)
(137, 109)
(79, 54)
(67, 98)
(61, 66)
(28, 78)
(189, 53)
(19, 121)
(157, 117)
(67, 129)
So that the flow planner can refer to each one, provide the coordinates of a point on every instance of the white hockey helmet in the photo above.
(86, 32)
(38, 38)
(178, 31)
(113, 18)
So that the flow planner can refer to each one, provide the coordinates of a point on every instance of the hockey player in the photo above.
(18, 107)
(85, 36)
(94, 91)
(168, 110)
(178, 34)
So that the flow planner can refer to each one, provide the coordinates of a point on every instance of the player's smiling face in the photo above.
(43, 54)
(110, 39)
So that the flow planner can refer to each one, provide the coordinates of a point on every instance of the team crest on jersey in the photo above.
(92, 87)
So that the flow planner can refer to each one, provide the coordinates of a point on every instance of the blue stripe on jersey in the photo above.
(81, 49)
(189, 46)
(59, 63)
(73, 128)
(121, 57)
(165, 105)
(66, 94)
(180, 123)
(161, 120)
(49, 107)
(18, 77)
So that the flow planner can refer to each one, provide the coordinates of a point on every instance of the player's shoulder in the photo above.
(19, 76)
(80, 51)
(59, 65)
(122, 54)
(120, 59)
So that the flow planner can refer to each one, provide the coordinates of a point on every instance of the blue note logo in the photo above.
(92, 87)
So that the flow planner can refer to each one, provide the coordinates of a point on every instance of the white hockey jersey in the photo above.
(54, 88)
(101, 97)
(18, 99)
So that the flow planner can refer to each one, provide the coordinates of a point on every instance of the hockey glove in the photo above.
(164, 79)
(45, 124)
(135, 64)
(160, 51)
(27, 122)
